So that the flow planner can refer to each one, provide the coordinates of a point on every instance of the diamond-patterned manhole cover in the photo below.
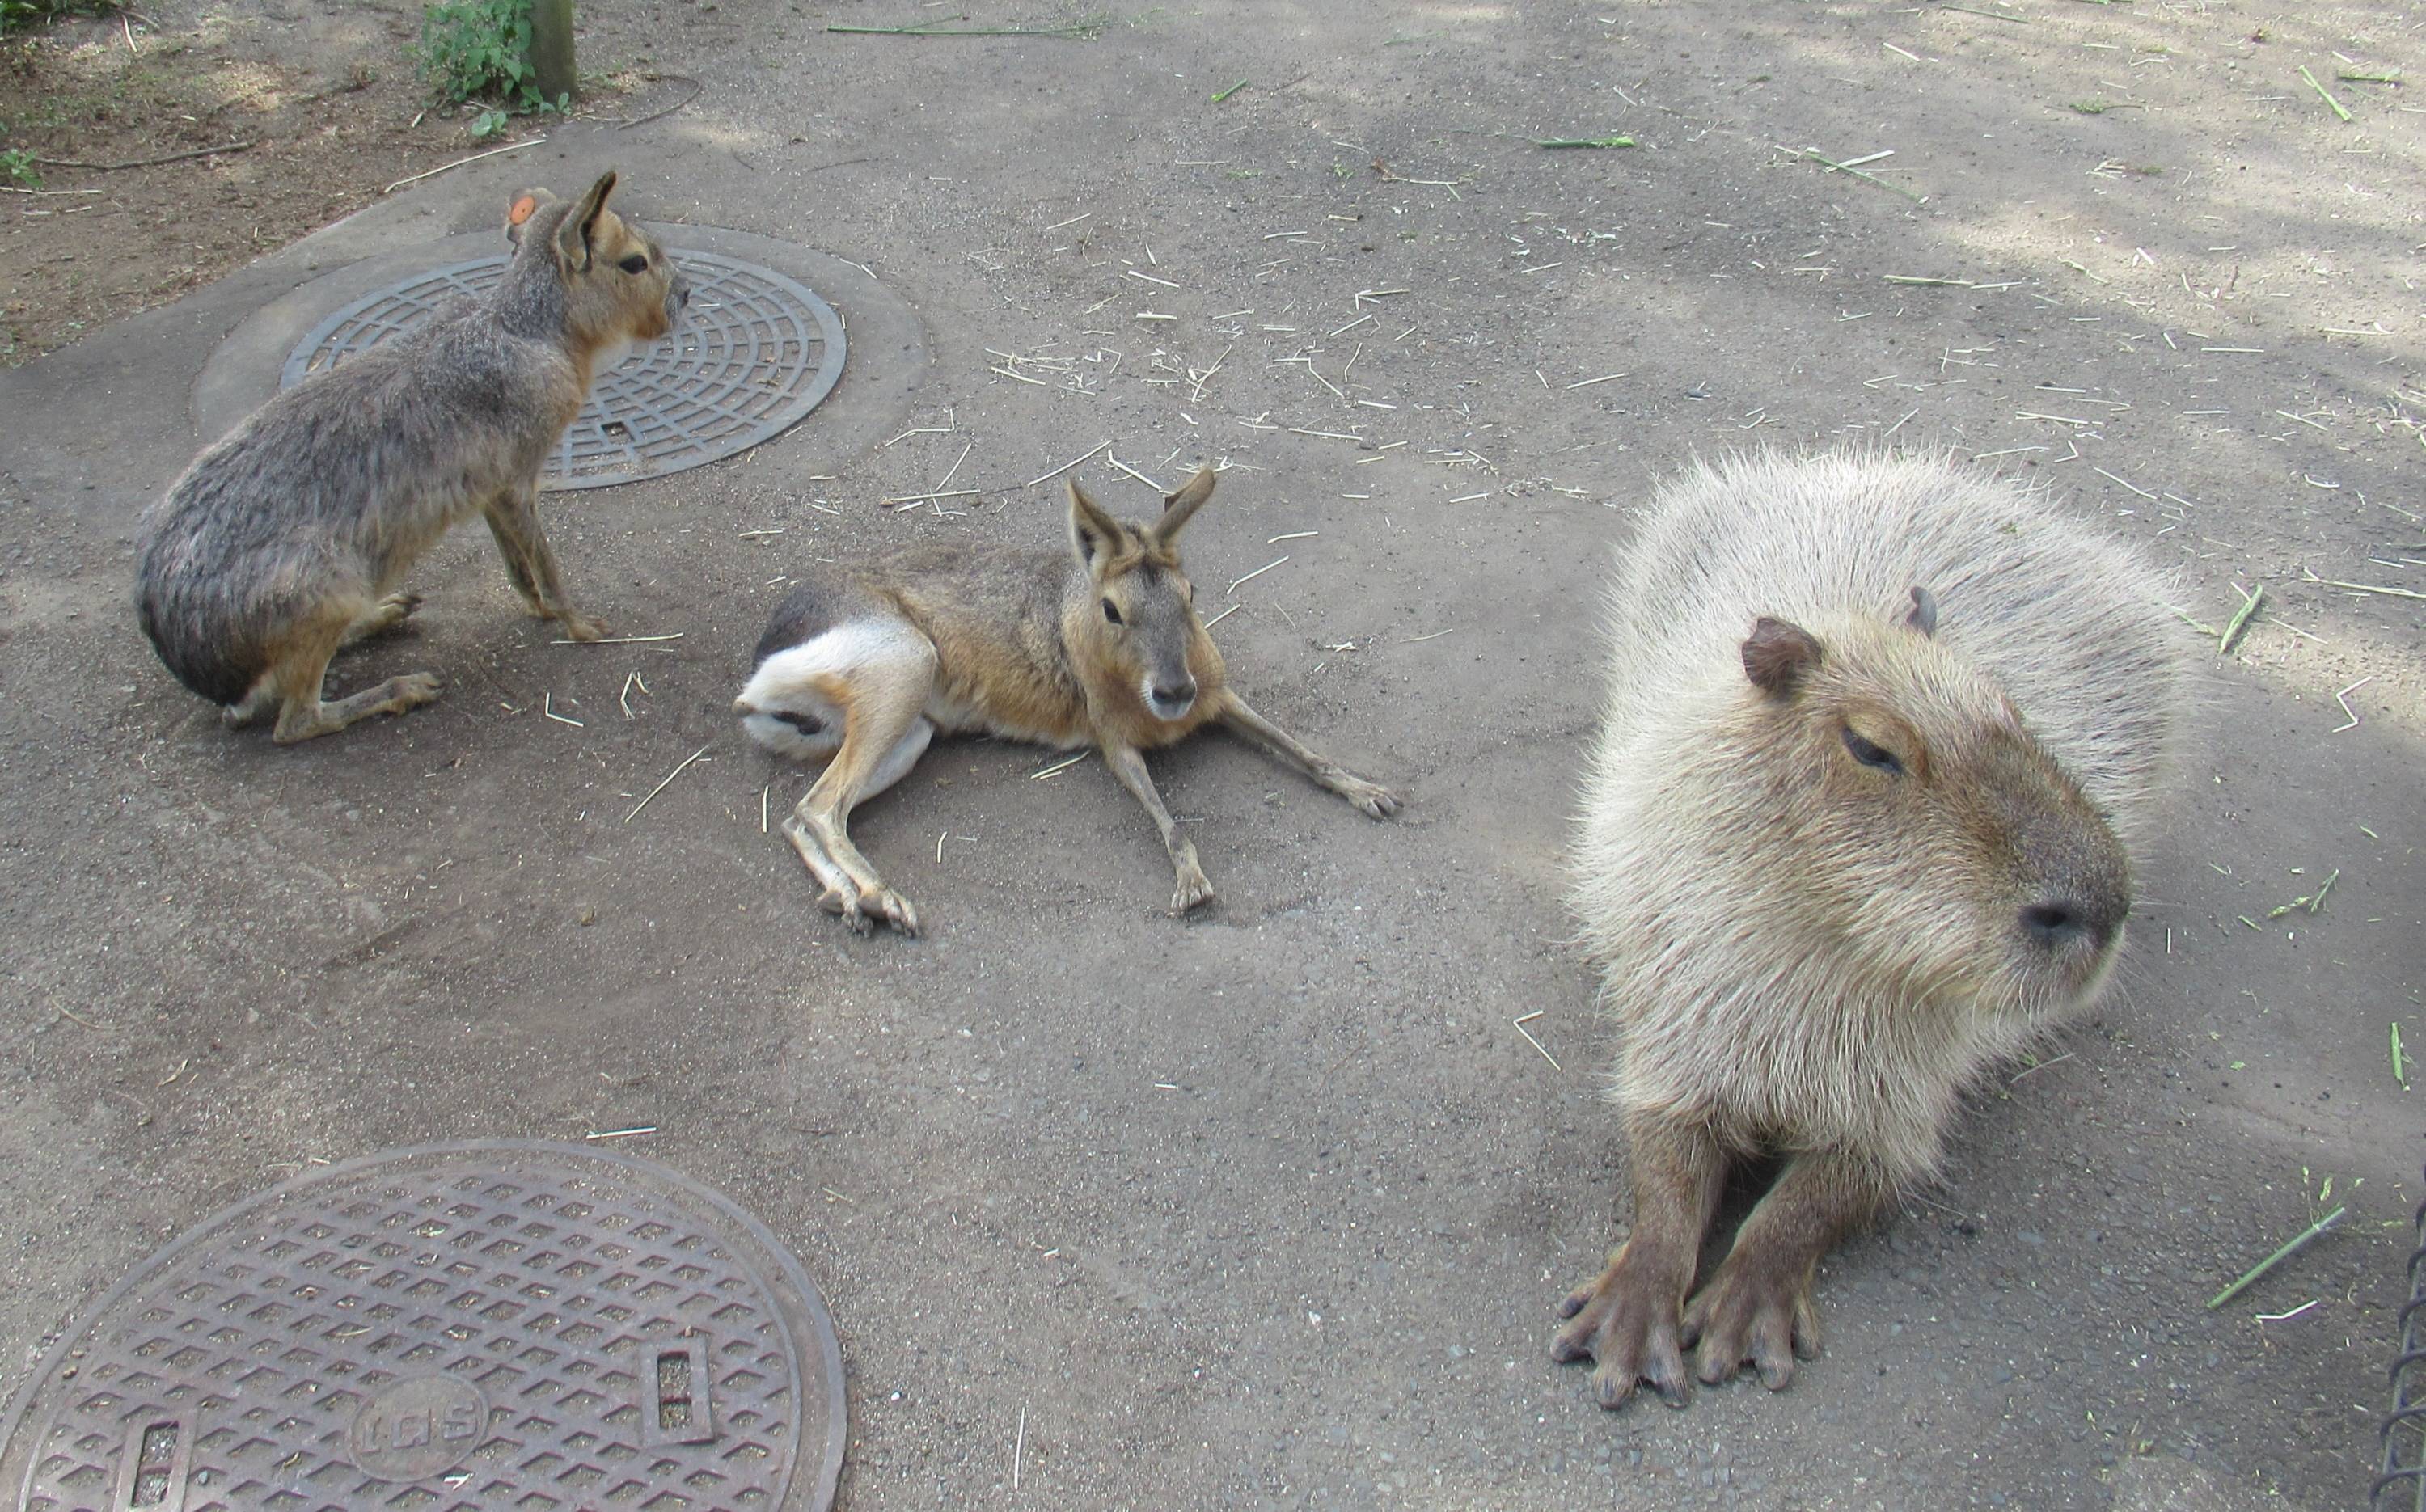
(754, 353)
(464, 1327)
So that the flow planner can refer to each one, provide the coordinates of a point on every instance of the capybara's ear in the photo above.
(1777, 655)
(519, 213)
(1094, 536)
(1923, 616)
(573, 233)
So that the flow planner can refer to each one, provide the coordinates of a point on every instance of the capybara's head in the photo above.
(619, 284)
(1143, 631)
(1948, 855)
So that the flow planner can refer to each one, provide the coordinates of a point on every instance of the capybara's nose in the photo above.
(2057, 922)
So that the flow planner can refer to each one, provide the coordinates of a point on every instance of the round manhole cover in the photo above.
(468, 1326)
(754, 352)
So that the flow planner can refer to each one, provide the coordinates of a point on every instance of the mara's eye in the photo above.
(637, 263)
(1869, 754)
(1111, 611)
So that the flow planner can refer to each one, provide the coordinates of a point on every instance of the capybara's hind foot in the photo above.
(1626, 1324)
(580, 626)
(302, 719)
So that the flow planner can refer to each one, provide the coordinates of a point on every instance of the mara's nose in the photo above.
(2055, 923)
(1176, 694)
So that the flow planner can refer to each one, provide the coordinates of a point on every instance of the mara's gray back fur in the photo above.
(337, 484)
(1766, 973)
(307, 513)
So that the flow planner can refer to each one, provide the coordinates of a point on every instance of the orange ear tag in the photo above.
(522, 209)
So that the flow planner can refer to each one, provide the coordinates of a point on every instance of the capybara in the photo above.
(1881, 737)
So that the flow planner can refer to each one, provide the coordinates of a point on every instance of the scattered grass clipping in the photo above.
(2275, 1258)
(2400, 1058)
(1231, 90)
(2311, 902)
(1583, 141)
(2239, 620)
(1085, 30)
(1832, 165)
(2322, 94)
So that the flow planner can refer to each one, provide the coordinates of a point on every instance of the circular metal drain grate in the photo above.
(754, 352)
(500, 1325)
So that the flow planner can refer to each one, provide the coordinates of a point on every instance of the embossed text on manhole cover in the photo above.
(754, 353)
(499, 1325)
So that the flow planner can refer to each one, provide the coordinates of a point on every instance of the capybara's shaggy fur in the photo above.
(286, 539)
(1882, 738)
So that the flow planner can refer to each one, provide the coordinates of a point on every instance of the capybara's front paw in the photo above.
(1626, 1323)
(581, 626)
(1752, 1311)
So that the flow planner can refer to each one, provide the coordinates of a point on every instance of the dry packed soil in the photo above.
(1271, 1208)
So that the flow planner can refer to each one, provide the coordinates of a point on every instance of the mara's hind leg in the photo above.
(855, 890)
(388, 614)
(299, 664)
(870, 680)
(264, 696)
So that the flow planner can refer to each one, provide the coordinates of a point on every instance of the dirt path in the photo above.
(1272, 1209)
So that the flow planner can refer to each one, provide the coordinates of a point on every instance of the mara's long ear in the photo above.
(1177, 506)
(573, 233)
(1923, 616)
(1094, 536)
(518, 213)
(1777, 655)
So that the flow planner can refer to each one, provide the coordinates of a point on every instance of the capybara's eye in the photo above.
(1871, 755)
(637, 263)
(1112, 612)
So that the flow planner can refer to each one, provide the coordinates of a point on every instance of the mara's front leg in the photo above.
(1372, 798)
(1191, 888)
(513, 519)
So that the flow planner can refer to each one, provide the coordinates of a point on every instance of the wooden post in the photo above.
(551, 48)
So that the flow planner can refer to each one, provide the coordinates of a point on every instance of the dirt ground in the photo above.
(1272, 1208)
(322, 105)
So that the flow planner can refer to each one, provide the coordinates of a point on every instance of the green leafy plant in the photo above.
(17, 166)
(16, 15)
(479, 50)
